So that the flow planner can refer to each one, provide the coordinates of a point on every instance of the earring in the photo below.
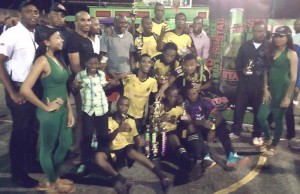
(47, 48)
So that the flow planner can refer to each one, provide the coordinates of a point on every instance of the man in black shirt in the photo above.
(250, 66)
(79, 47)
(57, 19)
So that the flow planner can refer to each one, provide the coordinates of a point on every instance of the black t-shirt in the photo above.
(82, 45)
(65, 34)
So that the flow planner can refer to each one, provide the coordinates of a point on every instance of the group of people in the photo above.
(271, 88)
(116, 79)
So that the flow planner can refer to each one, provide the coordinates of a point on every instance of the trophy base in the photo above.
(184, 118)
(249, 73)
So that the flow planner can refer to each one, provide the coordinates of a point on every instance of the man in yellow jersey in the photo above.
(124, 140)
(159, 25)
(140, 88)
(183, 41)
(146, 42)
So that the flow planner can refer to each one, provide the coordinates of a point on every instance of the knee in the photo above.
(100, 158)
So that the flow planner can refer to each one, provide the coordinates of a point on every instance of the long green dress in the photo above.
(55, 136)
(279, 80)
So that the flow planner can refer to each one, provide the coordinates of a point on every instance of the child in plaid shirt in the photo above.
(92, 84)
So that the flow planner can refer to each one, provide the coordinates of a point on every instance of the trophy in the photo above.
(184, 116)
(140, 43)
(249, 66)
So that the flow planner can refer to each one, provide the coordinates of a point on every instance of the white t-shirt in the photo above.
(18, 44)
(256, 45)
(96, 44)
(296, 39)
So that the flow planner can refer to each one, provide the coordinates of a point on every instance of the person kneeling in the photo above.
(124, 140)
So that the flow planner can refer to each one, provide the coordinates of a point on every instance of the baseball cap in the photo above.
(58, 7)
(37, 4)
(43, 32)
(283, 30)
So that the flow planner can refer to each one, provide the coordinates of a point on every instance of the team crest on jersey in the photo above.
(148, 89)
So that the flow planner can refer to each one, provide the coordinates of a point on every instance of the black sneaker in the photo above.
(166, 184)
(123, 188)
(25, 181)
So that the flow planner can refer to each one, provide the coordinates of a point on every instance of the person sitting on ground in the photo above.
(124, 140)
(171, 114)
(200, 109)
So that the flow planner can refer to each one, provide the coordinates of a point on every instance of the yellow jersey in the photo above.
(138, 93)
(147, 44)
(163, 71)
(174, 113)
(122, 139)
(156, 28)
(183, 41)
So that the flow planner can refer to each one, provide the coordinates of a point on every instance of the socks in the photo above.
(158, 173)
(195, 144)
(184, 160)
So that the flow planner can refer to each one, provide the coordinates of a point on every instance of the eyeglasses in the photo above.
(278, 36)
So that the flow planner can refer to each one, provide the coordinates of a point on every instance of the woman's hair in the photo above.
(41, 50)
(273, 48)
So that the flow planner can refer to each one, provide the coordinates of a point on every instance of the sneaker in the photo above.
(207, 162)
(82, 170)
(265, 145)
(258, 141)
(236, 160)
(166, 184)
(233, 136)
(294, 143)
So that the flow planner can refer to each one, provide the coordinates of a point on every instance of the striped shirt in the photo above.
(92, 94)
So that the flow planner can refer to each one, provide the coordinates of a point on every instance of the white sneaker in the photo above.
(294, 143)
(233, 136)
(256, 141)
(260, 140)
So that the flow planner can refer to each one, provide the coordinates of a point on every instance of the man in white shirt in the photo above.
(17, 51)
(94, 34)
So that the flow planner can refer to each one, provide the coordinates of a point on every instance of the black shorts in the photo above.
(120, 159)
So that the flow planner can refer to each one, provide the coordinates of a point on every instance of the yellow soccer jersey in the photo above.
(174, 113)
(182, 41)
(149, 44)
(123, 138)
(156, 28)
(161, 70)
(138, 93)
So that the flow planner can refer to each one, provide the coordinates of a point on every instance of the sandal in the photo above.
(269, 152)
(65, 181)
(265, 145)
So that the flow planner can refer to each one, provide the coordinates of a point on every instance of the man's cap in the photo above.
(283, 30)
(58, 7)
(36, 3)
(43, 32)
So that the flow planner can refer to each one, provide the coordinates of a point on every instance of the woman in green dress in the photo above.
(280, 79)
(54, 110)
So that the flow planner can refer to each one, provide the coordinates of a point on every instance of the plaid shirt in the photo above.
(92, 93)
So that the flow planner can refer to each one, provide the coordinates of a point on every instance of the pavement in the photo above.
(276, 175)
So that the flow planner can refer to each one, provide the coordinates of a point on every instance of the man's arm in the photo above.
(75, 62)
(6, 81)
